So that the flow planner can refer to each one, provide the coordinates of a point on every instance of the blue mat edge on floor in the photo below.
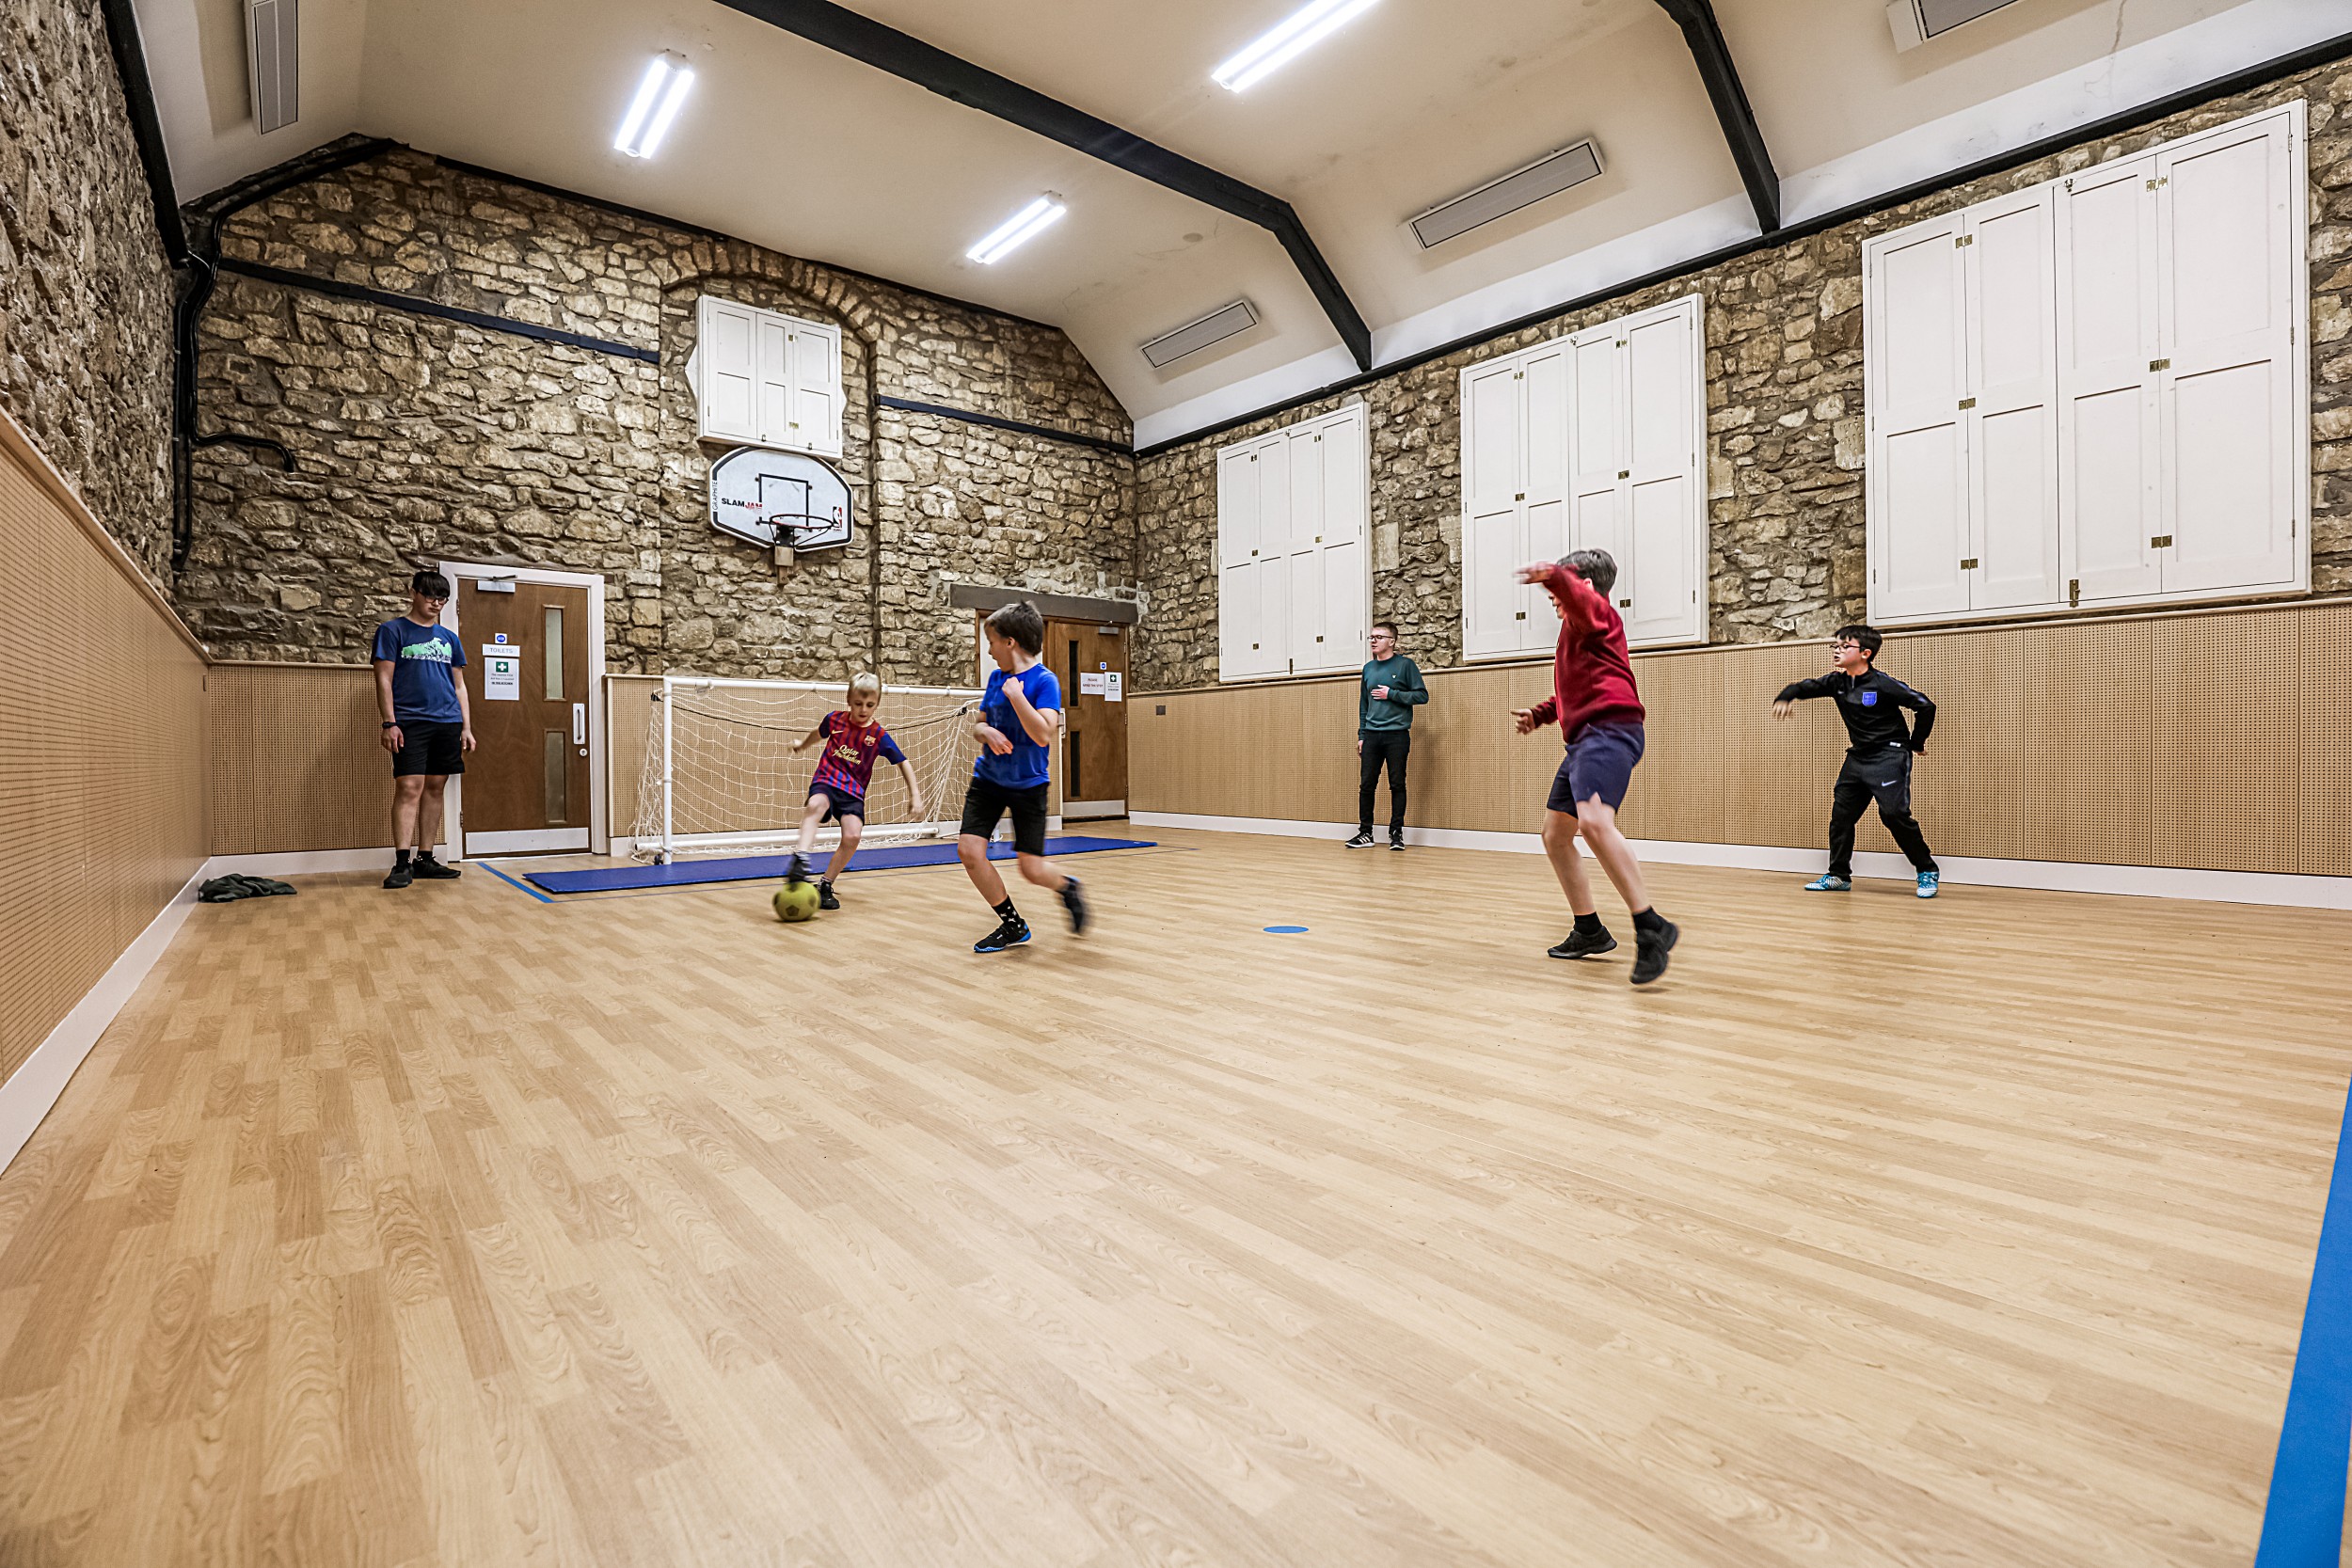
(753, 869)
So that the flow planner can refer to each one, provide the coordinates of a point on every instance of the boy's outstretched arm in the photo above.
(1798, 691)
(1529, 720)
(1578, 600)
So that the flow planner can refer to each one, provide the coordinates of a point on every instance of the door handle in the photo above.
(580, 724)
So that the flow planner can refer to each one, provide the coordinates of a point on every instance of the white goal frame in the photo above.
(671, 843)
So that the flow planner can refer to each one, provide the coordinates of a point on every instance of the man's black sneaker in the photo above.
(1073, 899)
(1362, 841)
(402, 876)
(825, 900)
(1396, 841)
(1577, 945)
(431, 870)
(797, 870)
(1010, 932)
(1650, 949)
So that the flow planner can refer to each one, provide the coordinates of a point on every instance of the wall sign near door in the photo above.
(503, 673)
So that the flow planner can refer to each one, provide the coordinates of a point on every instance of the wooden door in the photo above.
(1094, 715)
(527, 783)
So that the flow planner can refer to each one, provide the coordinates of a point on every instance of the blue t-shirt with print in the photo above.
(1023, 766)
(424, 659)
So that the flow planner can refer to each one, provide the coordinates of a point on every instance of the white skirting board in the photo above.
(2138, 881)
(35, 1085)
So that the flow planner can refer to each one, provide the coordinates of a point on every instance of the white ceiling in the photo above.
(793, 147)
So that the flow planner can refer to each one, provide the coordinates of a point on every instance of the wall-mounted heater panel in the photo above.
(1215, 328)
(273, 57)
(1548, 175)
(1918, 21)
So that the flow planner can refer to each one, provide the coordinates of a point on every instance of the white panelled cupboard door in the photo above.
(771, 340)
(1918, 449)
(2106, 375)
(1308, 635)
(1494, 468)
(1658, 576)
(1237, 510)
(2012, 430)
(1545, 536)
(1346, 609)
(1599, 473)
(2226, 302)
(815, 409)
(728, 368)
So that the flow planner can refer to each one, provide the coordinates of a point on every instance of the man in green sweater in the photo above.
(1384, 732)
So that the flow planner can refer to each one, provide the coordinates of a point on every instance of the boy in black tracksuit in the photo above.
(1878, 756)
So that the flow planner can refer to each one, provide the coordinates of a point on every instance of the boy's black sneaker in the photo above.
(825, 900)
(1362, 839)
(1396, 841)
(1010, 932)
(1650, 949)
(1073, 899)
(402, 876)
(1581, 944)
(431, 870)
(797, 870)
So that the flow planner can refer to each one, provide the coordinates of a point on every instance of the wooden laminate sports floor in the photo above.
(450, 1228)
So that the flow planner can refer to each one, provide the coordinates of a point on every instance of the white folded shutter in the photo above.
(2107, 380)
(2012, 430)
(726, 370)
(815, 409)
(1917, 368)
(1664, 508)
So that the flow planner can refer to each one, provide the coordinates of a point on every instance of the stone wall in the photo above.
(85, 291)
(1783, 395)
(419, 438)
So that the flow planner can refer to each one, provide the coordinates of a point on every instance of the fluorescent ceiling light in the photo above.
(1017, 231)
(658, 97)
(1302, 31)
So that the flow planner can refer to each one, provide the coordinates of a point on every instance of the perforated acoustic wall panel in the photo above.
(101, 799)
(295, 760)
(2203, 740)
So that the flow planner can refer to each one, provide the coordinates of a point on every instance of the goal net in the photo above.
(720, 776)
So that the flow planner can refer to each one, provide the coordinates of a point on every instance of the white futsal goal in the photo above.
(720, 776)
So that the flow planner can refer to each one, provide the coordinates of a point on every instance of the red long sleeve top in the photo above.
(1592, 674)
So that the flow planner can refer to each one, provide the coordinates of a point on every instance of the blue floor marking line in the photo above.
(511, 882)
(1285, 931)
(749, 868)
(2303, 1524)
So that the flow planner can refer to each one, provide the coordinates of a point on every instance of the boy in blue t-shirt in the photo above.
(1017, 720)
(427, 727)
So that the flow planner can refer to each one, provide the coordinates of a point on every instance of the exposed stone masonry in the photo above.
(85, 290)
(421, 439)
(1785, 428)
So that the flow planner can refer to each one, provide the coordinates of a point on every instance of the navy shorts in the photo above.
(1600, 762)
(840, 806)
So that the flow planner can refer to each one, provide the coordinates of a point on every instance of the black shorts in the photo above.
(1599, 763)
(839, 806)
(430, 747)
(985, 803)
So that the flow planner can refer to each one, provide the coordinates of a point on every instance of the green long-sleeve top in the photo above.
(1405, 693)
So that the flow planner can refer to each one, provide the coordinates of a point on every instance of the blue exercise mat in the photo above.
(753, 868)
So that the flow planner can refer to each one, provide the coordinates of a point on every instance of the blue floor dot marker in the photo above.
(1286, 930)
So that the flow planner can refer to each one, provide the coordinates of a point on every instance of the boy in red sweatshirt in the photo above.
(1601, 713)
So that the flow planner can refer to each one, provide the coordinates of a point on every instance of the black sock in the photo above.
(1007, 912)
(1648, 920)
(400, 857)
(1590, 924)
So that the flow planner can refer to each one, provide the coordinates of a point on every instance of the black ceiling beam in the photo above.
(147, 126)
(1696, 18)
(846, 32)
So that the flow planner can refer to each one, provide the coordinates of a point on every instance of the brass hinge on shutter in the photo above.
(1969, 564)
(2159, 364)
(2160, 542)
(1968, 403)
(2074, 592)
(1963, 242)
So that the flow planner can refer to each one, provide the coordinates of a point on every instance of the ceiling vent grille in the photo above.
(1215, 328)
(273, 58)
(1918, 21)
(1548, 175)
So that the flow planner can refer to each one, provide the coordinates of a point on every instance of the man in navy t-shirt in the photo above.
(427, 726)
(1019, 716)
